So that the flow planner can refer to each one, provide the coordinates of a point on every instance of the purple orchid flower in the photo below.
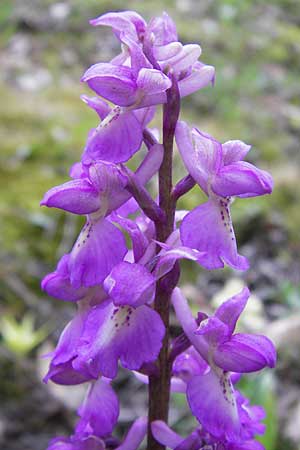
(214, 337)
(221, 174)
(211, 396)
(136, 79)
(100, 245)
(119, 134)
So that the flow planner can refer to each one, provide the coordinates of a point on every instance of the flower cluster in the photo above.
(117, 283)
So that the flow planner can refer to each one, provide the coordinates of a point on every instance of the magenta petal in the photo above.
(108, 180)
(111, 333)
(245, 353)
(208, 229)
(162, 29)
(165, 435)
(65, 375)
(152, 83)
(61, 288)
(189, 364)
(188, 323)
(138, 238)
(168, 256)
(114, 83)
(234, 151)
(201, 154)
(57, 284)
(100, 410)
(69, 338)
(128, 22)
(99, 247)
(61, 370)
(76, 196)
(184, 59)
(116, 139)
(145, 115)
(100, 106)
(214, 330)
(230, 311)
(138, 59)
(201, 76)
(164, 52)
(135, 435)
(212, 400)
(120, 285)
(242, 178)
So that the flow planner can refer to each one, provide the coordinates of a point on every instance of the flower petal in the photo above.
(100, 410)
(161, 30)
(201, 75)
(201, 154)
(214, 330)
(153, 84)
(120, 285)
(242, 179)
(164, 52)
(114, 83)
(61, 370)
(76, 196)
(230, 311)
(208, 228)
(135, 435)
(245, 353)
(116, 139)
(132, 335)
(234, 151)
(189, 364)
(212, 400)
(57, 284)
(184, 59)
(164, 434)
(99, 247)
(188, 323)
(139, 241)
(100, 106)
(64, 374)
(129, 22)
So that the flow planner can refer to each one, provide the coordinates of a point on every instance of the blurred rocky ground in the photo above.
(45, 46)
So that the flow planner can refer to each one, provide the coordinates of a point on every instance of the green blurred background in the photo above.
(45, 46)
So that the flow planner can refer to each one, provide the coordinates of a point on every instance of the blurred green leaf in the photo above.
(260, 389)
(21, 337)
